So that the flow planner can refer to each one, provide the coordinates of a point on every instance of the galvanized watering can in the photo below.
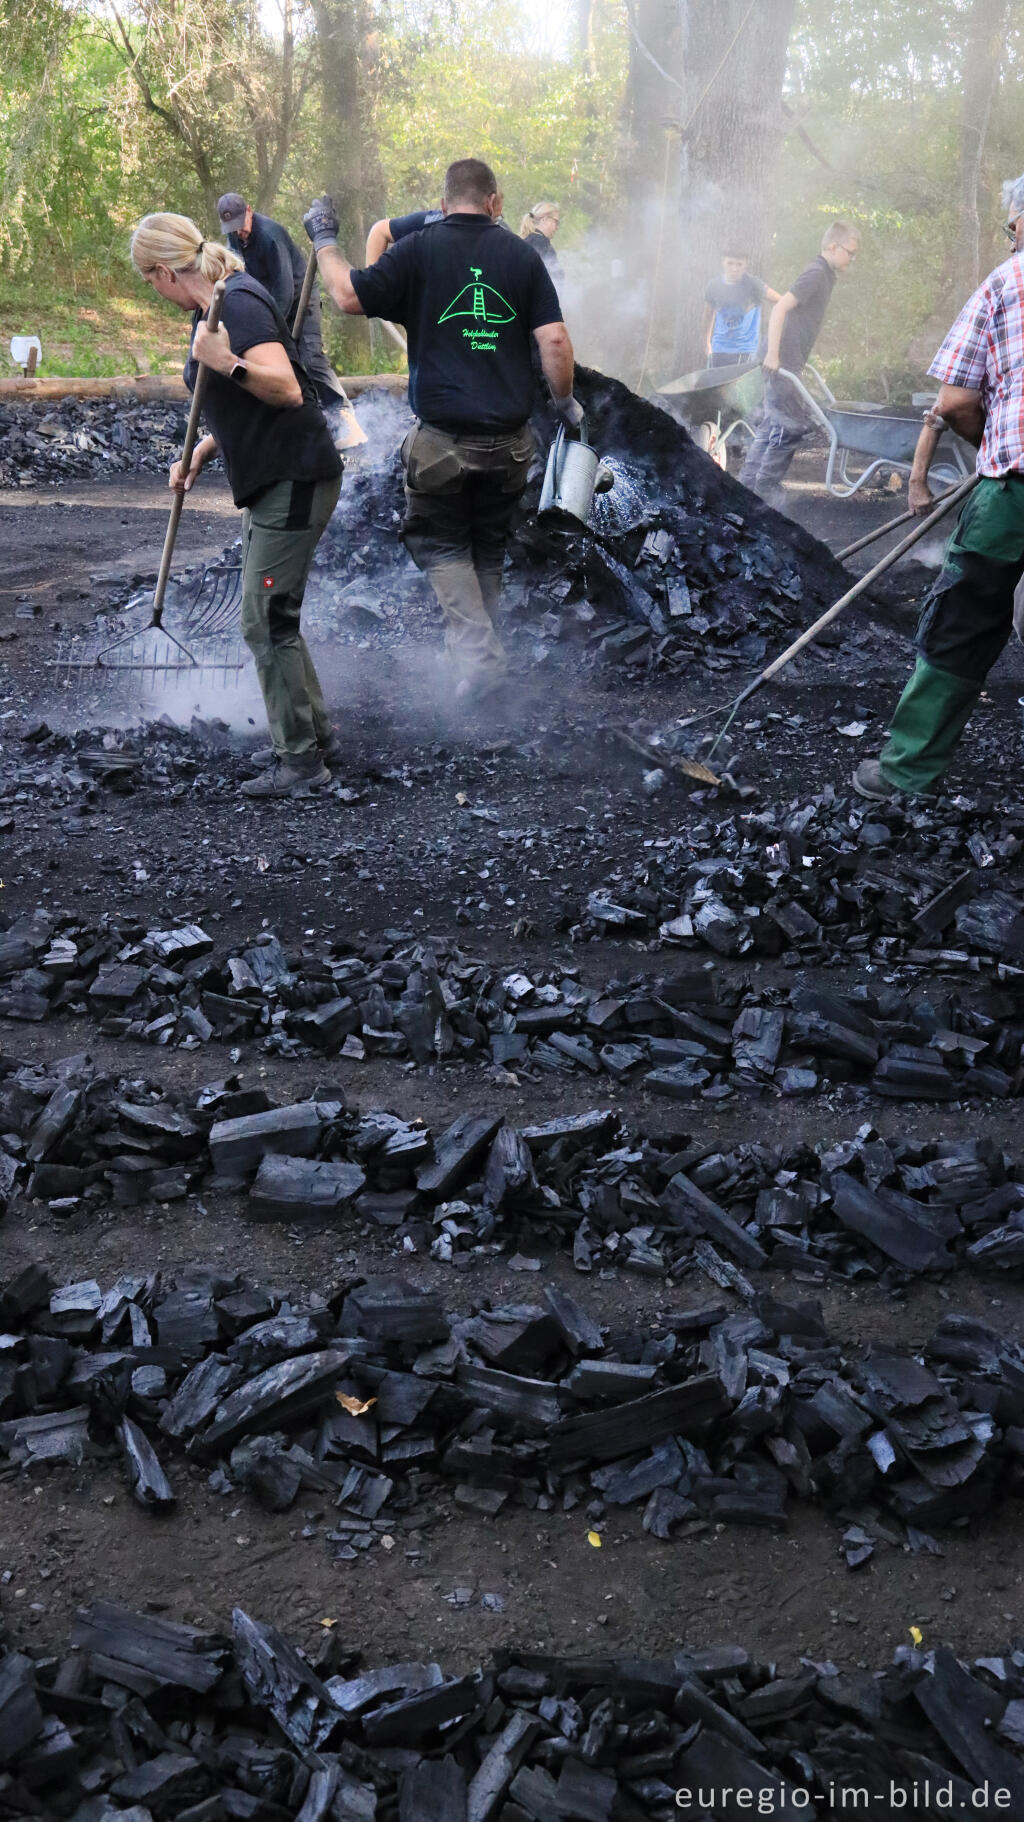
(573, 475)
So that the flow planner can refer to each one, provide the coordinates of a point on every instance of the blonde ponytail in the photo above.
(175, 241)
(528, 225)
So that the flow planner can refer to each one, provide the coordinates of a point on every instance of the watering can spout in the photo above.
(573, 475)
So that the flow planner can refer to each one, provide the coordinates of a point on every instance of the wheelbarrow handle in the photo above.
(305, 294)
(188, 450)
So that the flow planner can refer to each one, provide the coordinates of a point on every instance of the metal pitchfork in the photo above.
(944, 506)
(156, 621)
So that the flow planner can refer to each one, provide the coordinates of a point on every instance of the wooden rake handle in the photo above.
(188, 450)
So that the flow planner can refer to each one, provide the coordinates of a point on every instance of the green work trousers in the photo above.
(965, 623)
(280, 532)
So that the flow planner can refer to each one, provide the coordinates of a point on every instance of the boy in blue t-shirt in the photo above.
(731, 324)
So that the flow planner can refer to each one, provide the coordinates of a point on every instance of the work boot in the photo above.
(288, 778)
(870, 781)
(330, 753)
(480, 687)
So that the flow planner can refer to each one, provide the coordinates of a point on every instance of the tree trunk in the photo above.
(735, 61)
(982, 52)
(703, 124)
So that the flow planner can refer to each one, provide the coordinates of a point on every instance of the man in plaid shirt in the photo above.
(968, 612)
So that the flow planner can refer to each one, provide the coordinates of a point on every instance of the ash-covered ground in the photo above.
(632, 1084)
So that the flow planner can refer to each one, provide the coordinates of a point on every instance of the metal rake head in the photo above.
(215, 601)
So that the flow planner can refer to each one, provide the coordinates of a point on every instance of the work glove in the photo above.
(569, 410)
(321, 222)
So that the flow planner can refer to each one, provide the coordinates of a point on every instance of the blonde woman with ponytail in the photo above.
(284, 471)
(538, 228)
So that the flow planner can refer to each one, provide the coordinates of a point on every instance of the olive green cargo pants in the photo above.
(280, 533)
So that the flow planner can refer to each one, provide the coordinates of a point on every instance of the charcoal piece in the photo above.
(509, 1172)
(236, 1146)
(21, 1717)
(664, 1510)
(149, 1484)
(328, 1026)
(55, 1120)
(488, 1501)
(170, 1778)
(261, 1466)
(416, 1717)
(579, 1332)
(391, 1310)
(936, 916)
(174, 1134)
(681, 1196)
(963, 1711)
(320, 1795)
(994, 923)
(639, 1423)
(117, 984)
(31, 1290)
(274, 1398)
(922, 1077)
(499, 1766)
(365, 1493)
(585, 1793)
(187, 1319)
(898, 1227)
(288, 1188)
(279, 1680)
(164, 1654)
(621, 1486)
(582, 1128)
(184, 944)
(679, 1082)
(198, 1396)
(521, 1340)
(609, 1379)
(778, 1700)
(59, 1436)
(532, 1404)
(693, 1703)
(1002, 1250)
(456, 1150)
(352, 1695)
(435, 1791)
(757, 1039)
(536, 1793)
(713, 1763)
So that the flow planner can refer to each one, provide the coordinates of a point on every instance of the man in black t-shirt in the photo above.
(473, 299)
(274, 261)
(793, 329)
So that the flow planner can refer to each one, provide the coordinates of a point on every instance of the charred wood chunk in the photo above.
(638, 1424)
(236, 1146)
(456, 1150)
(288, 1188)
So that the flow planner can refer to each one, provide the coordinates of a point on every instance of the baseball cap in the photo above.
(231, 209)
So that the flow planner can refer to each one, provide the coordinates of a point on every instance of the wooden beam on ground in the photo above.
(144, 387)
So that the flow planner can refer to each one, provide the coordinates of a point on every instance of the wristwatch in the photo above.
(239, 373)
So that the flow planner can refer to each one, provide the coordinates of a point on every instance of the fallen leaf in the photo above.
(594, 1538)
(917, 1635)
(262, 863)
(327, 1624)
(461, 798)
(853, 729)
(356, 1407)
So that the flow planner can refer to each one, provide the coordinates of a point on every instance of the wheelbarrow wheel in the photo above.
(708, 437)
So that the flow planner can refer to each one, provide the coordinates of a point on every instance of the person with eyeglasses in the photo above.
(793, 328)
(969, 611)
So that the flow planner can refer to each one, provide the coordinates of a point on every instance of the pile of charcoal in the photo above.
(379, 1400)
(688, 569)
(808, 881)
(689, 1036)
(654, 1204)
(150, 1719)
(43, 442)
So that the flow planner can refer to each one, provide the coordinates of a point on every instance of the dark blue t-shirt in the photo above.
(401, 225)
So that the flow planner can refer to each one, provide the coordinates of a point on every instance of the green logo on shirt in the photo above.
(484, 305)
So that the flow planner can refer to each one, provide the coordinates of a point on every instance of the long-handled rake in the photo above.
(135, 645)
(945, 505)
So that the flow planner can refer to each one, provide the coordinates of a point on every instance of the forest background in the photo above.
(667, 130)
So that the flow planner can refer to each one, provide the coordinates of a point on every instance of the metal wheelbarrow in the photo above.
(878, 436)
(715, 404)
